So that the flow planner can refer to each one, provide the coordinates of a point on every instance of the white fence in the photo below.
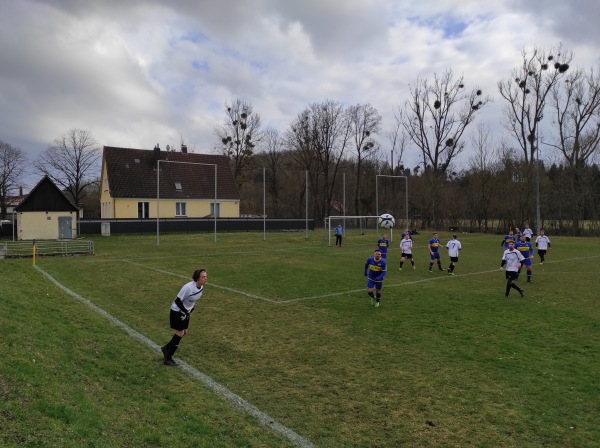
(24, 249)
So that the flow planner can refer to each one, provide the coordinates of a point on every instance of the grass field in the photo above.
(285, 325)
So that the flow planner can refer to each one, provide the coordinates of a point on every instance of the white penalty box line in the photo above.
(211, 384)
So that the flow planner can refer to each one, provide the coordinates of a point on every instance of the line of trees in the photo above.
(334, 152)
(339, 148)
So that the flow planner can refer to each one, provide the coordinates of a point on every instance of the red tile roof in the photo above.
(132, 174)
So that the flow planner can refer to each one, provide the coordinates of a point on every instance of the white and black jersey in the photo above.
(542, 242)
(188, 295)
(406, 246)
(453, 247)
(512, 258)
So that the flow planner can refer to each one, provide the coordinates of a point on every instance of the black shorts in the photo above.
(177, 323)
(409, 256)
(512, 275)
(454, 259)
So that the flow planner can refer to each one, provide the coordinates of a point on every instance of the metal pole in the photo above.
(215, 202)
(158, 193)
(264, 205)
(538, 213)
(306, 207)
(377, 195)
(344, 174)
(157, 202)
(377, 192)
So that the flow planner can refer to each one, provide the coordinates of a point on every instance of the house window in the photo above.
(178, 186)
(180, 209)
(143, 210)
(218, 209)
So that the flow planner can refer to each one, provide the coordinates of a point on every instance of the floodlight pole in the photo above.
(264, 204)
(158, 194)
(377, 176)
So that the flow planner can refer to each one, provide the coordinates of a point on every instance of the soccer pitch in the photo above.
(285, 349)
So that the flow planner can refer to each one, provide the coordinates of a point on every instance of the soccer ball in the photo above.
(386, 221)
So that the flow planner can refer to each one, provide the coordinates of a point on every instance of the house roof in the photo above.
(45, 197)
(132, 174)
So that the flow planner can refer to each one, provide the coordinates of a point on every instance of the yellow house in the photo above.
(46, 214)
(141, 183)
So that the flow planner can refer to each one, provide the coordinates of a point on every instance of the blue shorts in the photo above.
(435, 255)
(526, 262)
(373, 284)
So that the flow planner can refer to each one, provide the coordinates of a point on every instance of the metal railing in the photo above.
(24, 249)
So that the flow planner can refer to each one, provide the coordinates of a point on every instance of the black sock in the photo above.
(173, 345)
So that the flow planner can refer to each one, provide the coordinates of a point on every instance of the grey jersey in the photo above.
(513, 258)
(189, 295)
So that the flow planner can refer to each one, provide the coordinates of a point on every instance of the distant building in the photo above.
(12, 202)
(46, 214)
(128, 184)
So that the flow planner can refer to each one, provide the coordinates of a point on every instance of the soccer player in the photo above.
(453, 247)
(512, 258)
(526, 250)
(528, 233)
(181, 308)
(406, 232)
(507, 238)
(542, 242)
(375, 270)
(383, 244)
(406, 249)
(434, 252)
(338, 235)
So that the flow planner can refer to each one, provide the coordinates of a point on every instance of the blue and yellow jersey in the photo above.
(383, 245)
(525, 248)
(375, 269)
(434, 245)
(508, 238)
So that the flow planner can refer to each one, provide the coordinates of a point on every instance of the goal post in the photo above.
(360, 224)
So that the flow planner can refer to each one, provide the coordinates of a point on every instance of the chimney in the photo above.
(184, 149)
(156, 155)
(21, 190)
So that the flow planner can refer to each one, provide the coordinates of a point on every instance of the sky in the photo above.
(136, 73)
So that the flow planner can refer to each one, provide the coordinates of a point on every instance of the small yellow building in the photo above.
(140, 183)
(46, 214)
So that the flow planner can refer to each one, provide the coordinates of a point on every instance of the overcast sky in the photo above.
(136, 73)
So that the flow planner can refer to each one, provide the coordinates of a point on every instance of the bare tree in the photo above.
(273, 157)
(71, 161)
(435, 119)
(576, 105)
(318, 139)
(398, 139)
(526, 92)
(436, 116)
(481, 176)
(238, 136)
(12, 168)
(365, 123)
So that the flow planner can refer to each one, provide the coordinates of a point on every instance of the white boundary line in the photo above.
(217, 388)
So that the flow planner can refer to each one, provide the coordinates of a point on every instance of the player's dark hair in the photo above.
(197, 273)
